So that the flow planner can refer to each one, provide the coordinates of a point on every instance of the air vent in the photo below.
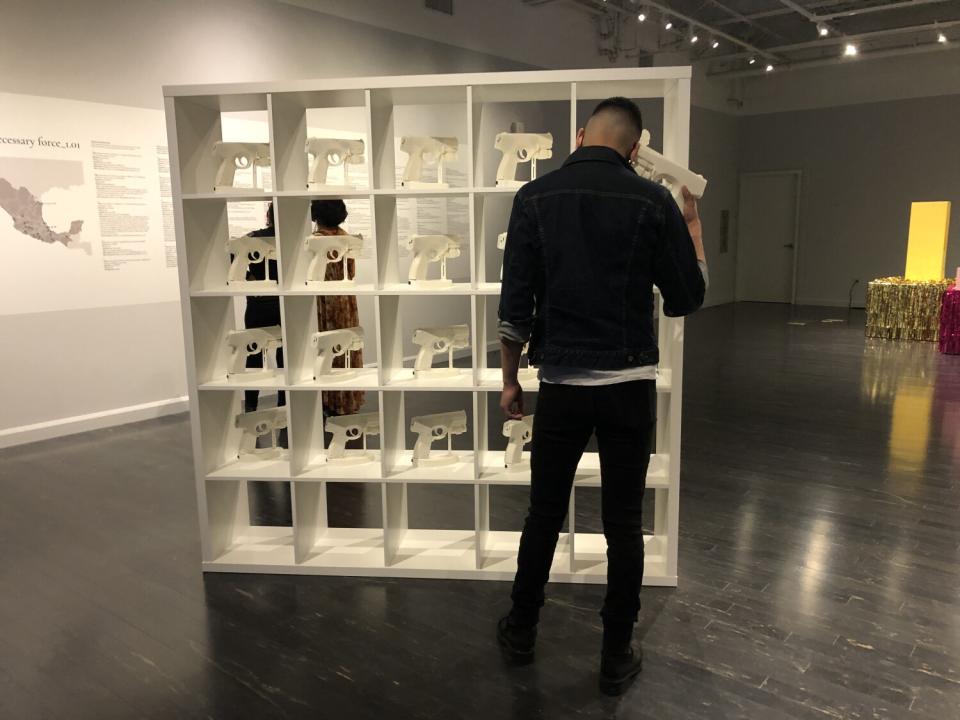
(444, 6)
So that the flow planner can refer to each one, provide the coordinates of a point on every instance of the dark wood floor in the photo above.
(820, 539)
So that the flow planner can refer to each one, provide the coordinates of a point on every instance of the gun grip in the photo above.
(323, 365)
(421, 450)
(337, 447)
(319, 169)
(424, 359)
(226, 173)
(507, 170)
(418, 267)
(414, 167)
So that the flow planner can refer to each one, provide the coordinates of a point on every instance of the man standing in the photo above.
(586, 244)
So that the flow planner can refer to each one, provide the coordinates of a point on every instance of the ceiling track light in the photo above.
(752, 60)
(769, 67)
(941, 38)
(822, 30)
(850, 50)
(667, 24)
(694, 38)
(642, 17)
(714, 43)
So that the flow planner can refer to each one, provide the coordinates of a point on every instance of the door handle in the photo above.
(788, 245)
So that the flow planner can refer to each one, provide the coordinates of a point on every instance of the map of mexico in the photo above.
(27, 214)
(24, 185)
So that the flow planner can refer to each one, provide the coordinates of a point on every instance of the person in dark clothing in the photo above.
(262, 311)
(586, 244)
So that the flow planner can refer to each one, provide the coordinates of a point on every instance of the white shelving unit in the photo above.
(230, 543)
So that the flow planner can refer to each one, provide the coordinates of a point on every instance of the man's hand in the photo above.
(690, 213)
(511, 401)
(691, 216)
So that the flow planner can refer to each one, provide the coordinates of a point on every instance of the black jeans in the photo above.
(623, 417)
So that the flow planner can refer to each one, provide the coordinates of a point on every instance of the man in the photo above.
(586, 244)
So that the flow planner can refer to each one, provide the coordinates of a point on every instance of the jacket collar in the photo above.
(597, 153)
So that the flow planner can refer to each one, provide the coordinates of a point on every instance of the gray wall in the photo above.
(714, 153)
(862, 167)
(122, 51)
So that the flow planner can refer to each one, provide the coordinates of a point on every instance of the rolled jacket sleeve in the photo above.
(521, 268)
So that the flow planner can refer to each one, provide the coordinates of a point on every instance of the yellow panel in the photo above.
(927, 243)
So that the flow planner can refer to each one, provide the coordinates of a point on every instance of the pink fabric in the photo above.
(950, 322)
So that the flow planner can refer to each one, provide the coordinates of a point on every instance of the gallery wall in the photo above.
(87, 368)
(862, 167)
(107, 365)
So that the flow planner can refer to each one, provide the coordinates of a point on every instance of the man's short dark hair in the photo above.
(328, 213)
(625, 107)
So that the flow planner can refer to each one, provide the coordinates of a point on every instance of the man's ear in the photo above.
(633, 152)
(580, 134)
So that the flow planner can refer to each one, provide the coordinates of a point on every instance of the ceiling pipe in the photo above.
(876, 8)
(813, 7)
(836, 59)
(839, 40)
(709, 28)
(740, 17)
(595, 7)
(800, 10)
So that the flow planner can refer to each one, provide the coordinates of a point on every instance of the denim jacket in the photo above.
(585, 245)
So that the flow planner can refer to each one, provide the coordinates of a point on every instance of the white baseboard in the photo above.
(94, 421)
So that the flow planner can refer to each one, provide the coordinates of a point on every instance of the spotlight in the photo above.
(850, 50)
(642, 17)
(694, 38)
(822, 30)
(752, 60)
(667, 24)
(769, 68)
(941, 38)
(715, 44)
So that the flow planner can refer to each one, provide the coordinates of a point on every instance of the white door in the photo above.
(767, 236)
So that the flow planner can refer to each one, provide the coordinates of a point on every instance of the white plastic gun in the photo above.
(332, 344)
(501, 245)
(431, 428)
(518, 148)
(235, 156)
(441, 148)
(327, 249)
(519, 433)
(350, 427)
(652, 165)
(428, 249)
(252, 341)
(258, 424)
(433, 341)
(336, 152)
(248, 250)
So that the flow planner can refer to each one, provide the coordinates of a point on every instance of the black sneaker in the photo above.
(617, 671)
(518, 641)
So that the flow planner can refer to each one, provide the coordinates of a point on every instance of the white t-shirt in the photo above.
(578, 376)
